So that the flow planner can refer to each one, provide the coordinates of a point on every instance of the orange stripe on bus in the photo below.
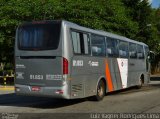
(108, 76)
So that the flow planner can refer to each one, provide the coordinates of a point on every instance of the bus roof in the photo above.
(100, 32)
(78, 27)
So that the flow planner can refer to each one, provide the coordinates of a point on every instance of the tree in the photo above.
(125, 17)
(105, 15)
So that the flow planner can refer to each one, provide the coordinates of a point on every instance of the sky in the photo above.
(155, 3)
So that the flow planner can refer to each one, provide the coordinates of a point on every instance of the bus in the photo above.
(61, 59)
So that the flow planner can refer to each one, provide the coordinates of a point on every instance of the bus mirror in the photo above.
(151, 56)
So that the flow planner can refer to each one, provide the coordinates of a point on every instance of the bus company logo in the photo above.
(19, 75)
(122, 64)
(78, 63)
(93, 64)
(36, 77)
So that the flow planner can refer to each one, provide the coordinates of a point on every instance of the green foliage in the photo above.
(125, 17)
(147, 20)
(156, 30)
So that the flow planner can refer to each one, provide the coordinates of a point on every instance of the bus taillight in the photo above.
(65, 66)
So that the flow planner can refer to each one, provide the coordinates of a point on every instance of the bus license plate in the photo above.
(35, 88)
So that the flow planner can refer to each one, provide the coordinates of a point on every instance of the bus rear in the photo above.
(39, 64)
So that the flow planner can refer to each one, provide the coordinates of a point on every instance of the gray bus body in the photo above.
(72, 62)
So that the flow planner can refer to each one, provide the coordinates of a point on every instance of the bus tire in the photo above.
(140, 83)
(100, 91)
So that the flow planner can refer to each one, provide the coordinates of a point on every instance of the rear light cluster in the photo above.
(65, 66)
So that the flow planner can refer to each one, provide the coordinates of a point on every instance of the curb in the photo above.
(7, 88)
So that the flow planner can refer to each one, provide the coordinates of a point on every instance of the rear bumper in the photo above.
(55, 92)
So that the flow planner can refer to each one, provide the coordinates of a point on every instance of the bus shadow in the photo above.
(124, 91)
(133, 89)
(14, 100)
(36, 102)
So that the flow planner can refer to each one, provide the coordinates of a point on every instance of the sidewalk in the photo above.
(155, 75)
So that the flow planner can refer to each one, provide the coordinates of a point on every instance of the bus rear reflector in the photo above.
(65, 66)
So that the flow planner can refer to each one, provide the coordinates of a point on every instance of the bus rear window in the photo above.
(39, 36)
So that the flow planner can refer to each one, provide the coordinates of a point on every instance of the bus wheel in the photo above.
(100, 91)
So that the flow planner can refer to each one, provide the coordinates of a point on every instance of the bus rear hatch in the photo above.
(39, 60)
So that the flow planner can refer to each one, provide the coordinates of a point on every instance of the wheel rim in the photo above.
(101, 90)
(140, 82)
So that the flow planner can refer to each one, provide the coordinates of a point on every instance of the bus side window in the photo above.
(98, 45)
(132, 51)
(112, 47)
(76, 42)
(81, 42)
(86, 43)
(140, 52)
(123, 49)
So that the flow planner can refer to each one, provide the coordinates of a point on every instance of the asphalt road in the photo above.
(144, 100)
